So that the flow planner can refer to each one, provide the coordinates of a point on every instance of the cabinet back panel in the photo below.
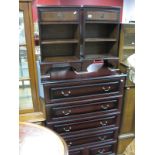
(59, 50)
(94, 48)
(59, 31)
(94, 30)
(129, 39)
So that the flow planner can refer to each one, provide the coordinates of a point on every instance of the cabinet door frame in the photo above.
(25, 7)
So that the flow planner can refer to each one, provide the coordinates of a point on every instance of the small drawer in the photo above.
(105, 149)
(80, 108)
(64, 92)
(60, 16)
(102, 15)
(75, 152)
(95, 137)
(100, 122)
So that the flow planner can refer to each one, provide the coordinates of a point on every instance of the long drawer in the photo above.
(106, 149)
(102, 15)
(99, 136)
(83, 90)
(82, 107)
(103, 122)
(72, 90)
(96, 149)
(70, 15)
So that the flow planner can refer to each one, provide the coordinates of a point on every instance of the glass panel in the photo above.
(126, 54)
(21, 29)
(129, 42)
(23, 63)
(25, 96)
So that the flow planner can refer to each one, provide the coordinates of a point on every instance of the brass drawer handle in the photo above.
(106, 89)
(67, 129)
(75, 12)
(103, 123)
(90, 16)
(70, 143)
(66, 94)
(102, 138)
(101, 151)
(66, 112)
(105, 107)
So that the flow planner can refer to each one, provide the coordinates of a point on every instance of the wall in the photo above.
(92, 2)
(76, 2)
(128, 11)
(42, 2)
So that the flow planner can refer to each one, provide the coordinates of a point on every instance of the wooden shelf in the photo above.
(129, 47)
(21, 45)
(102, 22)
(100, 39)
(24, 79)
(100, 56)
(61, 59)
(63, 41)
(32, 117)
(64, 22)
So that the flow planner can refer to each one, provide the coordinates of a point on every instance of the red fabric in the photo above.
(42, 2)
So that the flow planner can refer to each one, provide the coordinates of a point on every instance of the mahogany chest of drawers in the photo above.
(86, 111)
(82, 105)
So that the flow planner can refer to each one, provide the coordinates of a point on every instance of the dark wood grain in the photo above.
(65, 41)
(82, 105)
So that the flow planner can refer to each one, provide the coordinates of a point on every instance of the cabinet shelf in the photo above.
(101, 22)
(63, 41)
(100, 56)
(22, 45)
(100, 39)
(64, 22)
(61, 59)
(128, 47)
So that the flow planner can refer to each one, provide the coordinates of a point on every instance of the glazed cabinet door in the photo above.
(28, 97)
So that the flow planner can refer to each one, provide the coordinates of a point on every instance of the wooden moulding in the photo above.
(32, 117)
(123, 141)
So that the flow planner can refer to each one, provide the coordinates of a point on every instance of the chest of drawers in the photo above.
(86, 111)
(82, 105)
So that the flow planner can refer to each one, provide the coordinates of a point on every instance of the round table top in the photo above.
(36, 139)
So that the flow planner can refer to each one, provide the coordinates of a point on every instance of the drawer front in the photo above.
(74, 91)
(101, 122)
(102, 15)
(75, 152)
(105, 149)
(95, 137)
(60, 15)
(81, 108)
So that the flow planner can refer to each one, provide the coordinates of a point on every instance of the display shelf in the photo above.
(64, 22)
(100, 39)
(61, 59)
(63, 41)
(129, 47)
(100, 56)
